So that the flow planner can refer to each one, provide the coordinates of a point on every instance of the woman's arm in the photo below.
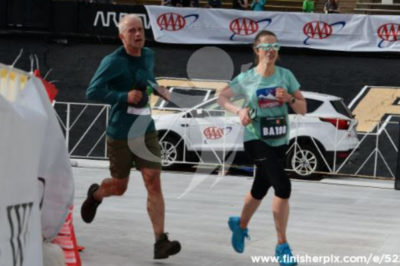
(298, 104)
(224, 100)
(295, 100)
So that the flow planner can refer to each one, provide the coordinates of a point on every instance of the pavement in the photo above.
(331, 220)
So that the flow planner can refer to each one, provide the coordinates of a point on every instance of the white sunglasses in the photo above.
(267, 46)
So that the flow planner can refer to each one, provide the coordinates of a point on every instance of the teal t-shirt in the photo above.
(260, 93)
(117, 74)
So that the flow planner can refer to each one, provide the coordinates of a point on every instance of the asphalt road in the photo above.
(331, 218)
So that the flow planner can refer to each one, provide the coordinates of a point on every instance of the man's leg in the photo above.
(120, 165)
(155, 199)
(150, 167)
(163, 247)
(111, 187)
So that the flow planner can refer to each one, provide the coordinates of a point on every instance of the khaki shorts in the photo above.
(143, 152)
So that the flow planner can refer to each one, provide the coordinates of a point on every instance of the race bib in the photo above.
(273, 127)
(139, 111)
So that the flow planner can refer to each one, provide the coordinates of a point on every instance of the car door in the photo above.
(211, 128)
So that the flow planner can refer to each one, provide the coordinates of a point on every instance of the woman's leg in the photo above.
(260, 184)
(280, 210)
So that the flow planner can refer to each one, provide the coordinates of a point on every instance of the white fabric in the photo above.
(340, 32)
(139, 111)
(55, 167)
(21, 135)
(53, 255)
(31, 145)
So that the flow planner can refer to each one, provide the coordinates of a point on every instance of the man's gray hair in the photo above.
(124, 19)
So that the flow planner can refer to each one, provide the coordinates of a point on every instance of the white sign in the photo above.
(339, 32)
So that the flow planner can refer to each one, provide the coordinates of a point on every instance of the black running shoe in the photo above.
(89, 206)
(164, 248)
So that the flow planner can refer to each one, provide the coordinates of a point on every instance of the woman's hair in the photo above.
(257, 40)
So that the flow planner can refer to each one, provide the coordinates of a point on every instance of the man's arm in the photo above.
(99, 87)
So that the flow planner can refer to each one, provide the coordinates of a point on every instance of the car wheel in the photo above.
(305, 162)
(171, 152)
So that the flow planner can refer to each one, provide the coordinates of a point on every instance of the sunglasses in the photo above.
(267, 46)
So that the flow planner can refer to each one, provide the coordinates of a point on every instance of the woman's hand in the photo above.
(244, 116)
(282, 95)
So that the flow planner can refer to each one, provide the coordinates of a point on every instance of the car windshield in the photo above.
(183, 98)
(341, 108)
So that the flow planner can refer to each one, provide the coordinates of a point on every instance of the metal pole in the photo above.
(397, 177)
(224, 131)
(105, 136)
(376, 148)
(67, 125)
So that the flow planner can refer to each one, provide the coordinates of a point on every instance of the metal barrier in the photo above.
(84, 127)
(375, 156)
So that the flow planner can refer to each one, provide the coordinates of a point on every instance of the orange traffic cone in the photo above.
(67, 241)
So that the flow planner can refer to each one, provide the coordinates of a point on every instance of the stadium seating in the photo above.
(378, 7)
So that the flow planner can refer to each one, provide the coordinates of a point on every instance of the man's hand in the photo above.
(164, 93)
(134, 96)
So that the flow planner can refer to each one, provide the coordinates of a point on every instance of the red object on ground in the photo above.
(51, 90)
(67, 241)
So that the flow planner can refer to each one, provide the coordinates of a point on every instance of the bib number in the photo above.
(273, 127)
(138, 111)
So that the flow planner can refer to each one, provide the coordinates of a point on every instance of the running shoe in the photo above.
(89, 206)
(284, 255)
(163, 248)
(238, 234)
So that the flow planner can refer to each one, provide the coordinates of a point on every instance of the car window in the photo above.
(341, 108)
(185, 97)
(312, 105)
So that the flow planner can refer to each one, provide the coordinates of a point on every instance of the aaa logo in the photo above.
(388, 33)
(174, 21)
(246, 26)
(320, 30)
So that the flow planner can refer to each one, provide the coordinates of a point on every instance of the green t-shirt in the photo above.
(117, 74)
(260, 93)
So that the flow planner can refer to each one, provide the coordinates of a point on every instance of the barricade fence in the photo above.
(204, 140)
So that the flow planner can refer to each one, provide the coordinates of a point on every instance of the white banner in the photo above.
(339, 32)
(31, 146)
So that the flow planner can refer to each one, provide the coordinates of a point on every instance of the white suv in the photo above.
(206, 133)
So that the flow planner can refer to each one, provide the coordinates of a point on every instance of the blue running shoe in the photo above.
(284, 255)
(238, 234)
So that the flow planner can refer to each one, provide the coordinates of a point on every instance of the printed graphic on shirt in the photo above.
(266, 98)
